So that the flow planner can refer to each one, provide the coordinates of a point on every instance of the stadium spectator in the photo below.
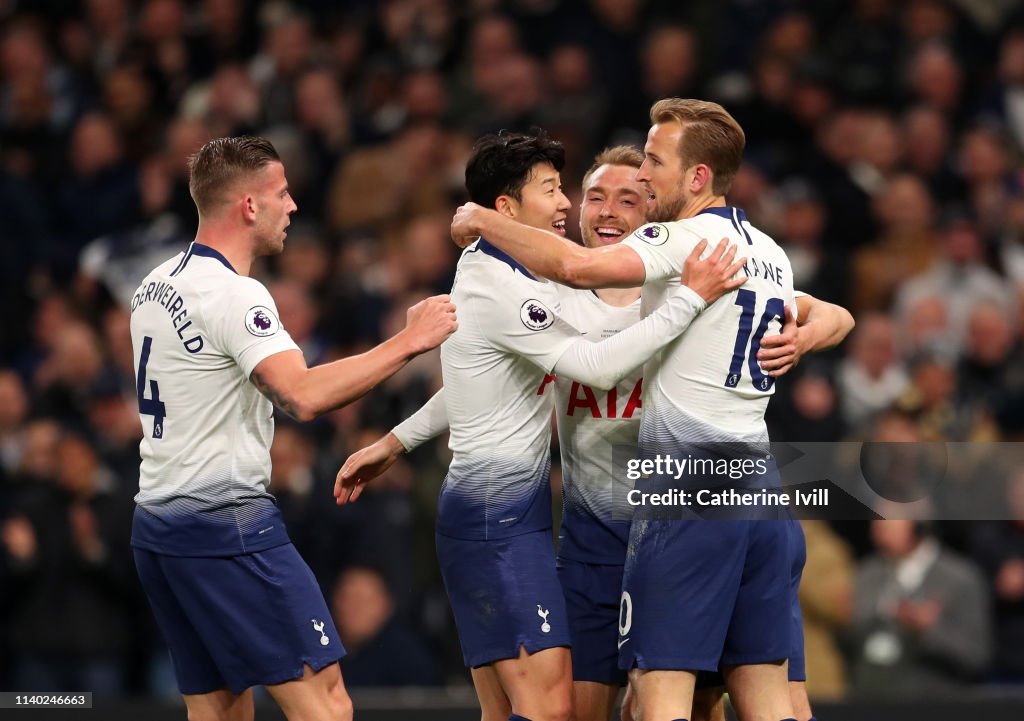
(129, 99)
(72, 594)
(828, 165)
(382, 649)
(14, 408)
(101, 193)
(1004, 96)
(938, 410)
(168, 56)
(935, 78)
(927, 138)
(289, 48)
(871, 377)
(802, 232)
(959, 276)
(577, 102)
(669, 56)
(992, 185)
(921, 622)
(807, 410)
(905, 245)
(992, 364)
(379, 187)
(296, 309)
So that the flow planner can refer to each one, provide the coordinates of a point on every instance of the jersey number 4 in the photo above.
(150, 406)
(774, 309)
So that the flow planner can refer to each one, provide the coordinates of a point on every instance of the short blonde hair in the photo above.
(626, 155)
(712, 137)
(221, 163)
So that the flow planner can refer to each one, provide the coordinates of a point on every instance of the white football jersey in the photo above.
(510, 335)
(198, 331)
(707, 384)
(591, 423)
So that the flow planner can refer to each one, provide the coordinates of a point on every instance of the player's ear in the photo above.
(249, 208)
(701, 179)
(506, 205)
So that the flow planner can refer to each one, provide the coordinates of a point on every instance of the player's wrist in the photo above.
(393, 444)
(806, 339)
(688, 295)
(486, 222)
(410, 343)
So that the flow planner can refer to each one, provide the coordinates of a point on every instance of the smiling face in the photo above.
(663, 174)
(614, 205)
(542, 204)
(274, 209)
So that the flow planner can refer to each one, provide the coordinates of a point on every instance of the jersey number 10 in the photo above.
(150, 406)
(774, 309)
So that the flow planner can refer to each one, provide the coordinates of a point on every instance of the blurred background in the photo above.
(884, 151)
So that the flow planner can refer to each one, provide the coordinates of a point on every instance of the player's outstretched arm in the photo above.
(819, 326)
(367, 463)
(547, 254)
(307, 393)
(602, 365)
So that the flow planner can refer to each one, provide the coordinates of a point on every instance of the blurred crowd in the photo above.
(884, 151)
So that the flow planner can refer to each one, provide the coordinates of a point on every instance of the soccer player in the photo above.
(236, 603)
(592, 548)
(695, 593)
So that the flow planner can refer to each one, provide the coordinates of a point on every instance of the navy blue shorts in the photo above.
(504, 595)
(592, 594)
(239, 621)
(697, 594)
(797, 666)
(798, 557)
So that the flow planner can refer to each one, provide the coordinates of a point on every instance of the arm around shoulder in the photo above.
(548, 254)
(614, 266)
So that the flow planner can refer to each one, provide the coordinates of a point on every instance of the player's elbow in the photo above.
(308, 404)
(844, 323)
(305, 413)
(285, 388)
(299, 412)
(299, 406)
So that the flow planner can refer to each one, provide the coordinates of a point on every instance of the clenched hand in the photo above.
(430, 322)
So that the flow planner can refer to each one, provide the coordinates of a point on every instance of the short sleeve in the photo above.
(662, 248)
(523, 319)
(245, 324)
